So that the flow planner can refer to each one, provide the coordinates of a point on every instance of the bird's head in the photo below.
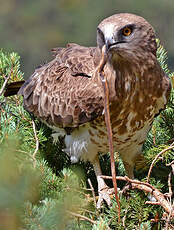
(126, 36)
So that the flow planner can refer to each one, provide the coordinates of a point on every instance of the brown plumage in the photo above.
(67, 92)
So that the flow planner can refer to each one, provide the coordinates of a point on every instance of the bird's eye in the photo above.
(127, 31)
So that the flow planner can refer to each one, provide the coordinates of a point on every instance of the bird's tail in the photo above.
(13, 88)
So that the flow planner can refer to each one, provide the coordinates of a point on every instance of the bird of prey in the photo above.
(67, 93)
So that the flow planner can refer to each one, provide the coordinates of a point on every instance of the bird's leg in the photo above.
(103, 190)
(129, 170)
(130, 173)
(138, 161)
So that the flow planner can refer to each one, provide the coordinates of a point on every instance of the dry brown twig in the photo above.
(168, 219)
(152, 202)
(108, 122)
(81, 217)
(5, 83)
(157, 157)
(170, 184)
(146, 187)
(170, 200)
(84, 218)
(93, 193)
(171, 163)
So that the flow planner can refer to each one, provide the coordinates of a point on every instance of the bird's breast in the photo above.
(131, 120)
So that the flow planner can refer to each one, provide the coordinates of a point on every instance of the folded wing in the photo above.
(63, 92)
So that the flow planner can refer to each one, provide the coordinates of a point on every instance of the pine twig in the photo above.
(5, 83)
(152, 202)
(170, 184)
(171, 163)
(81, 217)
(172, 166)
(155, 159)
(170, 199)
(37, 144)
(168, 219)
(108, 123)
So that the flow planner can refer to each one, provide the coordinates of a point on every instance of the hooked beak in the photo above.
(112, 43)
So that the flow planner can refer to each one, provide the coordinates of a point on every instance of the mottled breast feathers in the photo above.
(63, 92)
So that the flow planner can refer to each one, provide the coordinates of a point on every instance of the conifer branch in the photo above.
(156, 158)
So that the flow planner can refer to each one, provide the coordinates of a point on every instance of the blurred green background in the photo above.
(33, 27)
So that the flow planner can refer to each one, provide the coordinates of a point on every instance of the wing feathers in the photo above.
(62, 92)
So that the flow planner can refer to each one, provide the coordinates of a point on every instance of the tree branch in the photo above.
(82, 217)
(92, 190)
(5, 83)
(146, 187)
(155, 159)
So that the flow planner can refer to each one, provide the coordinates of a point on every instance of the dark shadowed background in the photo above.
(33, 27)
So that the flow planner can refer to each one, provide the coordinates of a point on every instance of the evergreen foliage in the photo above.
(42, 190)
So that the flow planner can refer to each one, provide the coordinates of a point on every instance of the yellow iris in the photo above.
(127, 31)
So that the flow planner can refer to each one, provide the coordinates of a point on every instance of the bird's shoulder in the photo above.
(79, 59)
